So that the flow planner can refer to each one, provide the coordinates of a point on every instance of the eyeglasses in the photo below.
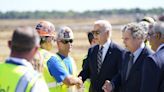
(96, 32)
(67, 41)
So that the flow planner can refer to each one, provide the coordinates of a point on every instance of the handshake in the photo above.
(79, 83)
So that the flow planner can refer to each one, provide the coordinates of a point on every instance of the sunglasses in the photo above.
(67, 41)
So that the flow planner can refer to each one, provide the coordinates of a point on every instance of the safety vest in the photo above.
(53, 85)
(16, 78)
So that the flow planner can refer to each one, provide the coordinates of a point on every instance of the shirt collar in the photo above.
(21, 61)
(106, 45)
(160, 47)
(138, 51)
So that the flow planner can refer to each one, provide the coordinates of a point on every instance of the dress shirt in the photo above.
(105, 49)
(138, 51)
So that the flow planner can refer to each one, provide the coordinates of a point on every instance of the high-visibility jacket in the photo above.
(16, 78)
(53, 85)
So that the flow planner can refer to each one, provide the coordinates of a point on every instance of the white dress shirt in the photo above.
(105, 49)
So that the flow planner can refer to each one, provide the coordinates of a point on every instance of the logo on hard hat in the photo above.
(66, 34)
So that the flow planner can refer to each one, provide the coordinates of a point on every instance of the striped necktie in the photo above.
(99, 59)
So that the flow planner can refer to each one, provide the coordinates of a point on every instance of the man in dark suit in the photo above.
(103, 60)
(153, 68)
(129, 77)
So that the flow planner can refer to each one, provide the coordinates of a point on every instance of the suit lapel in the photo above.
(94, 57)
(138, 61)
(107, 57)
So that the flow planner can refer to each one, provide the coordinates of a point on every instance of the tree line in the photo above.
(73, 14)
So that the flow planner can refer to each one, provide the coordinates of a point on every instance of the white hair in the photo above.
(158, 27)
(104, 23)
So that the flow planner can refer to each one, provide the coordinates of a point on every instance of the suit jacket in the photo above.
(153, 73)
(109, 68)
(133, 81)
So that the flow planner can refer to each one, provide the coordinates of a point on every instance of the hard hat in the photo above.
(148, 19)
(45, 28)
(65, 33)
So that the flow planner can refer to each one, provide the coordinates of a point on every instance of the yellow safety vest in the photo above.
(13, 78)
(51, 82)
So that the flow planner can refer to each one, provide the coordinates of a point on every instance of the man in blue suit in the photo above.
(103, 60)
(153, 68)
(129, 77)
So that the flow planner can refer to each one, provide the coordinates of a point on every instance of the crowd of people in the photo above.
(107, 67)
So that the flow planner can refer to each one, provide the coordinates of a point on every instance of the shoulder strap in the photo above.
(27, 81)
(62, 62)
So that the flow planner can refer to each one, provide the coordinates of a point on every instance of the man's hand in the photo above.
(79, 83)
(107, 87)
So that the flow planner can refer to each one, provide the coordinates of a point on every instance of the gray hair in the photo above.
(24, 39)
(158, 27)
(137, 30)
(104, 24)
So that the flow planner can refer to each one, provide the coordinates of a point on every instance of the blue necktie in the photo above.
(99, 59)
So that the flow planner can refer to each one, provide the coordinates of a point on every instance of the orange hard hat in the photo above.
(45, 28)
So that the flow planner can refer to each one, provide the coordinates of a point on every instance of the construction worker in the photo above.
(46, 31)
(62, 66)
(17, 73)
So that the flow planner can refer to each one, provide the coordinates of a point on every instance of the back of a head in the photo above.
(90, 37)
(45, 28)
(65, 33)
(24, 39)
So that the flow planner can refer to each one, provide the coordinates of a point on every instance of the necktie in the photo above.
(99, 59)
(130, 64)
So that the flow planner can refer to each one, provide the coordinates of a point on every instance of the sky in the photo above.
(77, 5)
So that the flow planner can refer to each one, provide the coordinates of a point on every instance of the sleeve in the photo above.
(150, 76)
(56, 69)
(116, 81)
(85, 68)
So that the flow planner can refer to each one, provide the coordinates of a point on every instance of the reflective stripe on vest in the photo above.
(54, 84)
(23, 82)
(17, 78)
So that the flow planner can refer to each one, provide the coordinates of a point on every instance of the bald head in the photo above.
(103, 24)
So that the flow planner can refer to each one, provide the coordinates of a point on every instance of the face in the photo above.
(65, 45)
(48, 44)
(130, 43)
(100, 36)
(152, 39)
